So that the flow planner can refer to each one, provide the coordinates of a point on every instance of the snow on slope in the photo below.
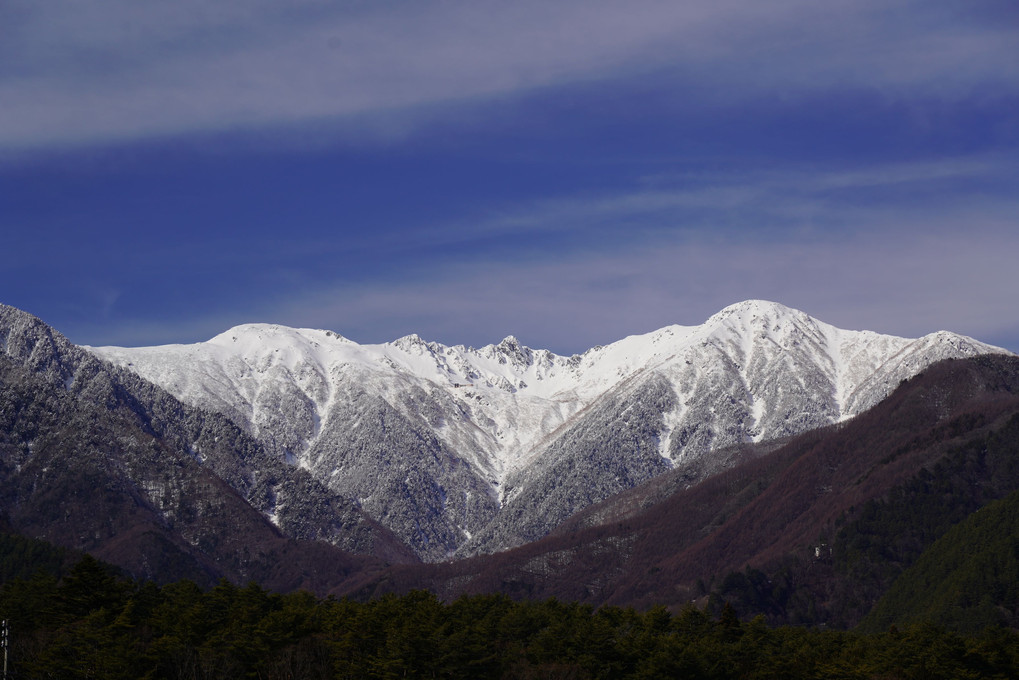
(477, 427)
(516, 394)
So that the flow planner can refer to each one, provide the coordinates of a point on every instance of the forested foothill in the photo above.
(91, 623)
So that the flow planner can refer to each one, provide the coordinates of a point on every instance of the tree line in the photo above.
(92, 623)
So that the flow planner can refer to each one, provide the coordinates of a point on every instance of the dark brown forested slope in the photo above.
(781, 513)
(95, 460)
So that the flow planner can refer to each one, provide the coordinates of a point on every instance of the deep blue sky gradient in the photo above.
(860, 166)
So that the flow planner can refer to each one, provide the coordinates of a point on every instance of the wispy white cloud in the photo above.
(909, 282)
(757, 202)
(78, 72)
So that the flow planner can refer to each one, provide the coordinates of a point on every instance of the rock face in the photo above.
(460, 450)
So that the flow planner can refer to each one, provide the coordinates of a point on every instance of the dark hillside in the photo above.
(23, 558)
(968, 579)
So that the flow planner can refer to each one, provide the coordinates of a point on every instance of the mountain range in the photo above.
(462, 451)
(763, 458)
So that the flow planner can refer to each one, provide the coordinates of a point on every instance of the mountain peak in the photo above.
(509, 343)
(409, 342)
(748, 310)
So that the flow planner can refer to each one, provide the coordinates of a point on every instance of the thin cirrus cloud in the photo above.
(746, 200)
(82, 73)
(906, 268)
(908, 284)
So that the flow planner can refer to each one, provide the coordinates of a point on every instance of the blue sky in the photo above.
(568, 172)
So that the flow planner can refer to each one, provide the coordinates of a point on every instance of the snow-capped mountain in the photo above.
(474, 450)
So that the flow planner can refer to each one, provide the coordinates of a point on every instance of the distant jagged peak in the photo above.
(415, 344)
(509, 349)
(510, 342)
(512, 347)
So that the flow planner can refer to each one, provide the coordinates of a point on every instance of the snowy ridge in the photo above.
(524, 394)
(437, 441)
